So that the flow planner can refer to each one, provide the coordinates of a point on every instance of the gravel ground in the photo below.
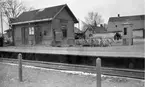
(35, 77)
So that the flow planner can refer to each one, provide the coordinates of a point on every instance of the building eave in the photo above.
(32, 21)
(68, 9)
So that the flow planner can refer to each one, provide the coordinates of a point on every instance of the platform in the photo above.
(136, 51)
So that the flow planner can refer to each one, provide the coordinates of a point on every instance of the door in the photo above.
(24, 33)
(125, 31)
(38, 35)
(64, 31)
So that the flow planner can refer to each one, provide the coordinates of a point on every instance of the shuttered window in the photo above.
(58, 36)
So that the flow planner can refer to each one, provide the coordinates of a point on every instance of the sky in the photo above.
(106, 8)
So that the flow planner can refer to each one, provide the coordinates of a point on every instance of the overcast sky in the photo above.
(106, 8)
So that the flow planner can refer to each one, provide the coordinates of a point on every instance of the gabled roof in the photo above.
(127, 18)
(100, 30)
(44, 14)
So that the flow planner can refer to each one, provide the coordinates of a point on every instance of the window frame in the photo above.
(31, 31)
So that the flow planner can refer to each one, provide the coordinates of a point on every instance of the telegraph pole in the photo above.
(1, 17)
(1, 14)
(2, 39)
(1, 23)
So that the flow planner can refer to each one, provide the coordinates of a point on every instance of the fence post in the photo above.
(20, 66)
(98, 70)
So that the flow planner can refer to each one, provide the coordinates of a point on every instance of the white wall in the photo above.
(137, 24)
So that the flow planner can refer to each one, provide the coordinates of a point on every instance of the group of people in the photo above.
(117, 36)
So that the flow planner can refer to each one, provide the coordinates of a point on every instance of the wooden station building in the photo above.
(47, 26)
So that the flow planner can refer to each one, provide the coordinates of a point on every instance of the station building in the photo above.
(47, 26)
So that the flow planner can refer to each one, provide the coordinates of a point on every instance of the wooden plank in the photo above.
(98, 72)
(20, 67)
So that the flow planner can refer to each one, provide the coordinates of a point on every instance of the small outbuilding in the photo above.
(50, 26)
(9, 32)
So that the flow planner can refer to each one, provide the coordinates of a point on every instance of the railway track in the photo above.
(129, 73)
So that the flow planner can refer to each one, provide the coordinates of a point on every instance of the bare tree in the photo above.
(12, 8)
(94, 19)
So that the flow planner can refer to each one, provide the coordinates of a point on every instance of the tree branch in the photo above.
(12, 8)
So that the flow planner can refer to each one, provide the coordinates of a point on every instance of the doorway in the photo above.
(38, 35)
(64, 31)
(125, 31)
(25, 33)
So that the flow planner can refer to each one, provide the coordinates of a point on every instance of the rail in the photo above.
(130, 73)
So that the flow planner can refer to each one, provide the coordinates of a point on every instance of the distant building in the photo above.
(48, 26)
(137, 21)
(94, 30)
(9, 32)
(0, 34)
(77, 30)
(8, 35)
(78, 33)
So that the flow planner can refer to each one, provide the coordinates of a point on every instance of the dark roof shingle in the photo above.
(39, 14)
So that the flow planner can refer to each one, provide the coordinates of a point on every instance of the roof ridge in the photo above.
(129, 16)
(125, 18)
(43, 14)
(63, 6)
(46, 7)
(37, 10)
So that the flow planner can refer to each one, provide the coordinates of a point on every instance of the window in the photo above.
(31, 30)
(115, 25)
(45, 33)
(125, 31)
(64, 30)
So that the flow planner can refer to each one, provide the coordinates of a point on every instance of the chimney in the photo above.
(118, 15)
